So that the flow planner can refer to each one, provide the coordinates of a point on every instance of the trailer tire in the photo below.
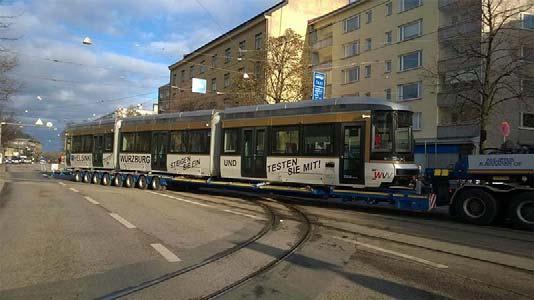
(141, 182)
(476, 206)
(521, 211)
(129, 181)
(77, 176)
(86, 178)
(94, 178)
(105, 179)
(117, 180)
(155, 184)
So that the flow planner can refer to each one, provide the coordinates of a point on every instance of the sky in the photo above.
(134, 42)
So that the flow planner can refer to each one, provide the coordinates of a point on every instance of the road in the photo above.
(66, 240)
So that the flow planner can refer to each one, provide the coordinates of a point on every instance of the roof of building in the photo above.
(337, 11)
(231, 31)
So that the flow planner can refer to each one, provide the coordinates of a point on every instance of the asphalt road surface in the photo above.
(66, 240)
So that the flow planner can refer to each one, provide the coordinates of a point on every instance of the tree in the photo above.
(486, 49)
(281, 72)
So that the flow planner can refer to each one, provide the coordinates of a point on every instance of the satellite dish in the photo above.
(87, 41)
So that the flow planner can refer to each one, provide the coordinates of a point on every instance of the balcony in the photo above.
(448, 96)
(323, 67)
(456, 4)
(327, 42)
(462, 30)
(458, 131)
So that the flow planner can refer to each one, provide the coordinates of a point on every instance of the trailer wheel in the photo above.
(141, 182)
(105, 179)
(129, 181)
(521, 211)
(155, 184)
(77, 176)
(86, 177)
(94, 178)
(476, 206)
(117, 180)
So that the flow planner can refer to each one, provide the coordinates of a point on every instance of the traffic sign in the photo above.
(319, 85)
(505, 129)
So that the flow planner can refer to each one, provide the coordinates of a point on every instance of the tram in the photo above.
(349, 142)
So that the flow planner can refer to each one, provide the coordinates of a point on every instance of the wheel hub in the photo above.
(474, 207)
(525, 211)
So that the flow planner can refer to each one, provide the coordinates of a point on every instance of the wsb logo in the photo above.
(379, 175)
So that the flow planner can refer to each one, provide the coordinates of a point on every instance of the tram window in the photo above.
(383, 131)
(77, 144)
(403, 132)
(285, 140)
(142, 142)
(87, 144)
(318, 139)
(199, 141)
(231, 136)
(178, 142)
(108, 141)
(128, 142)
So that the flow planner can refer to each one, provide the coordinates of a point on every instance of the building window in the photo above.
(368, 44)
(389, 38)
(527, 54)
(173, 82)
(214, 61)
(318, 139)
(214, 85)
(257, 70)
(227, 55)
(410, 61)
(527, 87)
(231, 138)
(528, 21)
(191, 71)
(369, 16)
(388, 94)
(409, 4)
(227, 80)
(527, 120)
(258, 41)
(367, 94)
(182, 76)
(416, 121)
(389, 9)
(285, 140)
(242, 48)
(352, 49)
(202, 67)
(410, 30)
(351, 24)
(387, 66)
(410, 91)
(352, 74)
(367, 71)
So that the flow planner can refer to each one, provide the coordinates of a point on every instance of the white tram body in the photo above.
(353, 142)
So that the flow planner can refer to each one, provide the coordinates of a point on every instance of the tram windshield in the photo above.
(392, 132)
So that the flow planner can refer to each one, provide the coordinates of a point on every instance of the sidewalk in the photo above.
(2, 176)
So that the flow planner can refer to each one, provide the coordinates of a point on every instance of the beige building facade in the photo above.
(397, 50)
(233, 54)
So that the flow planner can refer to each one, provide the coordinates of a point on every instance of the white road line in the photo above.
(406, 256)
(91, 200)
(184, 200)
(166, 253)
(61, 183)
(242, 214)
(122, 221)
(74, 190)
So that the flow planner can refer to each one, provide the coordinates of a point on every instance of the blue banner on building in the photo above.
(319, 85)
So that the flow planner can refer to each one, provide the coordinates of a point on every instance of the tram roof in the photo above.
(181, 116)
(341, 104)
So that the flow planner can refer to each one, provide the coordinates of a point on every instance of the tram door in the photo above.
(352, 154)
(160, 144)
(254, 153)
(98, 150)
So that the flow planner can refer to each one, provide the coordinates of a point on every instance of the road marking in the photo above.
(122, 221)
(91, 200)
(61, 183)
(184, 200)
(406, 256)
(242, 214)
(169, 256)
(74, 190)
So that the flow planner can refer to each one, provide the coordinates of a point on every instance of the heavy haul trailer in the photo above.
(358, 149)
(484, 188)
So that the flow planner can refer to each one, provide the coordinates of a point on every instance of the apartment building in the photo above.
(397, 50)
(233, 54)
